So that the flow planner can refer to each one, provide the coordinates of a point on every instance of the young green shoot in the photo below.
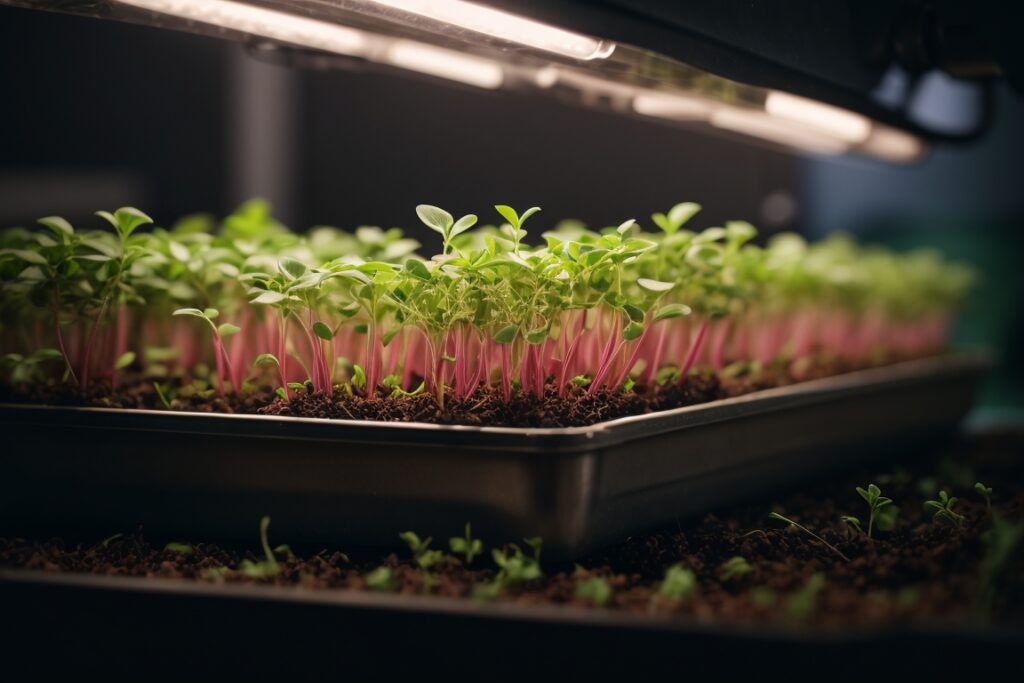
(466, 545)
(595, 589)
(876, 501)
(734, 569)
(268, 567)
(986, 493)
(679, 583)
(380, 579)
(943, 509)
(180, 548)
(800, 527)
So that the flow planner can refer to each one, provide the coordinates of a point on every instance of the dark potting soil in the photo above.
(485, 407)
(923, 570)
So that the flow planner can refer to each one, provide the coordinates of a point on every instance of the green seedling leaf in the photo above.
(211, 313)
(125, 360)
(265, 358)
(125, 220)
(626, 227)
(671, 311)
(227, 329)
(380, 579)
(462, 225)
(655, 285)
(323, 331)
(180, 548)
(435, 218)
(358, 377)
(59, 226)
(679, 583)
(506, 334)
(633, 331)
(596, 590)
(269, 298)
(467, 546)
(418, 269)
(734, 569)
(291, 268)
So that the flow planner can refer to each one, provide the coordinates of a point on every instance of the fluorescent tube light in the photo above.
(781, 131)
(671, 106)
(893, 145)
(505, 26)
(455, 66)
(840, 123)
(282, 26)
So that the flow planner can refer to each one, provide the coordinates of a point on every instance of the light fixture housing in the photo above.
(475, 44)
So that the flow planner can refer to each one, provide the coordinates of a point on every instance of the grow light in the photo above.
(819, 116)
(777, 130)
(505, 26)
(488, 48)
(455, 66)
(282, 26)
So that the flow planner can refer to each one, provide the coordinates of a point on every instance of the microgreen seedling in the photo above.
(986, 493)
(851, 520)
(734, 569)
(268, 567)
(876, 501)
(943, 509)
(516, 567)
(594, 589)
(380, 579)
(105, 543)
(787, 520)
(180, 548)
(618, 309)
(467, 546)
(679, 583)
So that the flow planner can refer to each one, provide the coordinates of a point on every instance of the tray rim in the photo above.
(563, 615)
(608, 433)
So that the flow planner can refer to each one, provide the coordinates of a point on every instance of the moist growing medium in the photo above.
(735, 565)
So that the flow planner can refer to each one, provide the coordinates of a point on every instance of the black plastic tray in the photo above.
(125, 626)
(210, 477)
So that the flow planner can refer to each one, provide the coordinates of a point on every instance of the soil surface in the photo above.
(923, 569)
(486, 407)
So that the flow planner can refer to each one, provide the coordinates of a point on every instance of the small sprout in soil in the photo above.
(943, 509)
(105, 543)
(876, 501)
(516, 567)
(986, 493)
(801, 604)
(180, 548)
(787, 520)
(734, 569)
(851, 520)
(162, 395)
(268, 567)
(679, 583)
(594, 589)
(425, 557)
(421, 552)
(381, 579)
(467, 546)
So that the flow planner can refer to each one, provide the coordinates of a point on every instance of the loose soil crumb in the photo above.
(921, 571)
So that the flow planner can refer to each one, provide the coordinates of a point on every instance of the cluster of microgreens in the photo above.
(605, 308)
